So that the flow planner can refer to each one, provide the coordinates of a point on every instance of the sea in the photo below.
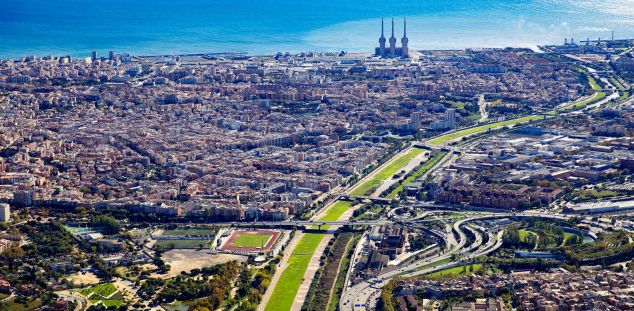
(167, 27)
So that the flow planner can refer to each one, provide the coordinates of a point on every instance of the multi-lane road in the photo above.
(364, 295)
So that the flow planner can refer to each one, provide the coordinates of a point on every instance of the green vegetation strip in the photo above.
(386, 172)
(418, 173)
(287, 286)
(593, 83)
(431, 265)
(624, 95)
(457, 271)
(451, 136)
(598, 96)
(336, 210)
(341, 277)
(616, 83)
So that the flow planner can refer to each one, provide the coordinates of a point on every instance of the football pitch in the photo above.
(251, 240)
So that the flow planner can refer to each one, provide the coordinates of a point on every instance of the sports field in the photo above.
(181, 244)
(252, 240)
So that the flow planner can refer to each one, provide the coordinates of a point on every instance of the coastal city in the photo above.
(398, 179)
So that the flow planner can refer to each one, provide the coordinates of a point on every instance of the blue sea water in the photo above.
(76, 27)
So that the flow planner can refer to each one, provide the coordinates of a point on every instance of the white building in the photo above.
(5, 213)
(448, 122)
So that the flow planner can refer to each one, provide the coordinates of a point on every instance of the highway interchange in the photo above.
(364, 295)
(457, 247)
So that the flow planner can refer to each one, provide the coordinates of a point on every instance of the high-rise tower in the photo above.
(404, 40)
(382, 41)
(392, 42)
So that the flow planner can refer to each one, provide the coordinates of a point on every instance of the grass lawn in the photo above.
(525, 233)
(13, 306)
(593, 83)
(598, 96)
(624, 96)
(568, 235)
(251, 240)
(616, 83)
(106, 294)
(189, 232)
(112, 303)
(433, 264)
(103, 290)
(603, 193)
(386, 172)
(457, 105)
(419, 172)
(451, 136)
(594, 194)
(336, 210)
(286, 288)
(457, 271)
(192, 244)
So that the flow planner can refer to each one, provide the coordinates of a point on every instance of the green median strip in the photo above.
(418, 173)
(477, 129)
(291, 279)
(593, 83)
(624, 95)
(336, 210)
(288, 285)
(616, 83)
(596, 98)
(369, 186)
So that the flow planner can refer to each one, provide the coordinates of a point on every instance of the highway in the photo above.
(364, 295)
(318, 223)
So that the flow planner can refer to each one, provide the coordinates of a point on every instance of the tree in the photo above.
(12, 254)
(403, 195)
(109, 224)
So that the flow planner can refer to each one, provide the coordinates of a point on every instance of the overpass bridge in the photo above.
(381, 222)
(321, 223)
